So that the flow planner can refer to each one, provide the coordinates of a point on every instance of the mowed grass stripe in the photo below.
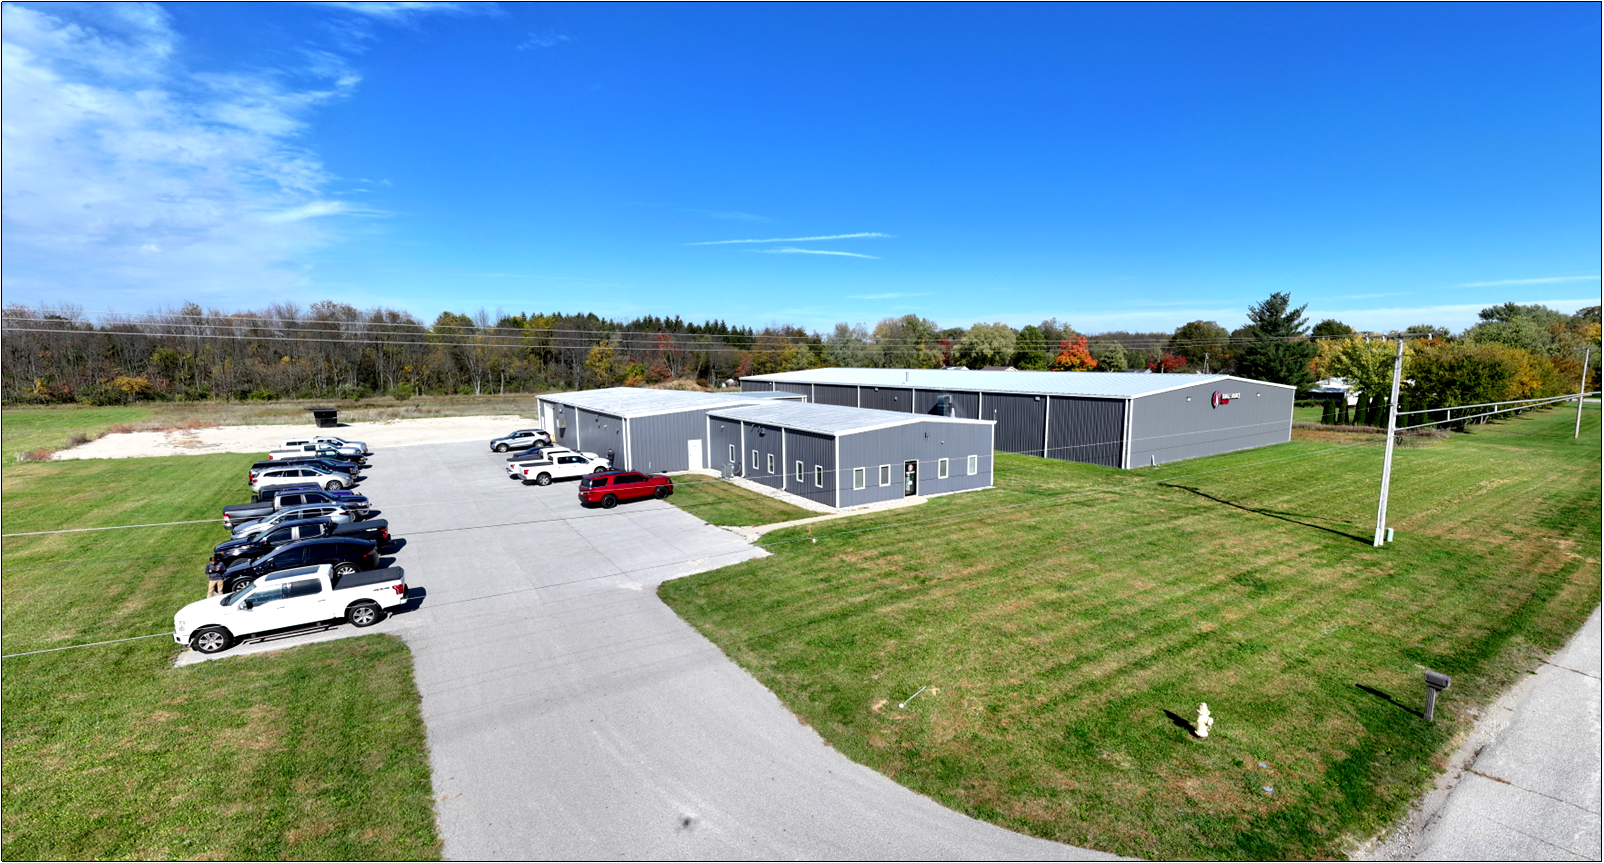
(1055, 637)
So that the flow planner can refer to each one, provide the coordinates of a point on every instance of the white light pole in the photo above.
(1582, 393)
(1392, 431)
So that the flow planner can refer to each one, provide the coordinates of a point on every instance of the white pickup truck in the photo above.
(560, 464)
(350, 447)
(288, 599)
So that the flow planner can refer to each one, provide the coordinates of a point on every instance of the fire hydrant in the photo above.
(1204, 720)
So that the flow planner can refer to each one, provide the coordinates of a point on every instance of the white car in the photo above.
(341, 445)
(296, 474)
(289, 598)
(538, 455)
(562, 465)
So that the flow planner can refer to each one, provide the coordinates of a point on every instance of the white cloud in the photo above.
(726, 214)
(126, 172)
(546, 39)
(406, 13)
(793, 239)
(792, 251)
(891, 296)
(1551, 280)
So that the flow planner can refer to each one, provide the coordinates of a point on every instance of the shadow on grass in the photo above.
(1389, 699)
(1282, 516)
(1181, 722)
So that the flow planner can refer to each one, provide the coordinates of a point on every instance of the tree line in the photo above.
(334, 350)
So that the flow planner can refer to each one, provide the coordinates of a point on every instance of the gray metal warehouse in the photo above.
(654, 430)
(1116, 420)
(843, 457)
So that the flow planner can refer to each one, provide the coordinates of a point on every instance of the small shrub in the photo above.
(262, 394)
(34, 455)
(79, 439)
(402, 392)
(120, 428)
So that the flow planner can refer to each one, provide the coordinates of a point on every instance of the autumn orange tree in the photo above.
(1073, 356)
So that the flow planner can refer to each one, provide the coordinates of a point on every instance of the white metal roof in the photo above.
(1092, 384)
(826, 419)
(634, 402)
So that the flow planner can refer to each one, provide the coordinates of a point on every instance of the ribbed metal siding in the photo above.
(722, 434)
(756, 386)
(832, 394)
(658, 443)
(811, 449)
(888, 399)
(1019, 422)
(562, 430)
(899, 444)
(800, 389)
(1166, 427)
(765, 440)
(965, 405)
(598, 433)
(1086, 430)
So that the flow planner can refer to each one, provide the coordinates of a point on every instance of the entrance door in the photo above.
(910, 478)
(693, 453)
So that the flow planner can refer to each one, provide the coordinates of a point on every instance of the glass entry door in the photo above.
(910, 478)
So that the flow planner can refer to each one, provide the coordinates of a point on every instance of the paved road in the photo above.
(571, 715)
(1533, 791)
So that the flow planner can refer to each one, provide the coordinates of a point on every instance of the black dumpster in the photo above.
(326, 418)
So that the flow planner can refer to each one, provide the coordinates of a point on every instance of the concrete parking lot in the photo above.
(572, 715)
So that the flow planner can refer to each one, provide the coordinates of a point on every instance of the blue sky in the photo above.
(1116, 167)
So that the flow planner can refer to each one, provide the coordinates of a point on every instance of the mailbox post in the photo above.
(1435, 683)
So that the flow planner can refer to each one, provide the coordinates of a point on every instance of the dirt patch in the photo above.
(196, 439)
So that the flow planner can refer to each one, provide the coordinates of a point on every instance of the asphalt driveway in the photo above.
(572, 715)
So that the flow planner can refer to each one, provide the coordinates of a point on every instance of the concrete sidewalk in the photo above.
(1531, 789)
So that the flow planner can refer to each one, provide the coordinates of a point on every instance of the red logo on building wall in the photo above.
(1220, 398)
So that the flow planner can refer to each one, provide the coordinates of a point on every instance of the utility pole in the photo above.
(1206, 366)
(1582, 393)
(1392, 432)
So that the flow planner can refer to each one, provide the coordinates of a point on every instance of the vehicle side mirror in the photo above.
(247, 605)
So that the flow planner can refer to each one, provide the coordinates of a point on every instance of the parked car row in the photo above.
(542, 463)
(304, 550)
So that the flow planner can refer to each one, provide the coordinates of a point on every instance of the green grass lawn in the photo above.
(29, 429)
(1066, 644)
(316, 752)
(1306, 415)
(718, 502)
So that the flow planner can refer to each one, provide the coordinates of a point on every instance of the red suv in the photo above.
(609, 487)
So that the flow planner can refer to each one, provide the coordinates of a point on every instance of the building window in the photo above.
(770, 463)
(799, 479)
(941, 468)
(733, 459)
(885, 474)
(860, 478)
(974, 465)
(754, 460)
(818, 475)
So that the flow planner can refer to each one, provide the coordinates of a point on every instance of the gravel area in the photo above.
(252, 439)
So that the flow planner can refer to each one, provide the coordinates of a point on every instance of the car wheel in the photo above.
(501, 447)
(364, 614)
(609, 502)
(345, 569)
(211, 640)
(661, 492)
(543, 479)
(239, 584)
(331, 485)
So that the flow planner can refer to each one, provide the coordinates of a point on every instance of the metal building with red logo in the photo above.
(1117, 420)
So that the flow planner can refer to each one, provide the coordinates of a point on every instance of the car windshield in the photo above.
(239, 595)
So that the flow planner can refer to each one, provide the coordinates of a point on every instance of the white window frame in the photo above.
(734, 459)
(818, 476)
(860, 478)
(941, 468)
(755, 461)
(801, 471)
(885, 475)
(974, 465)
(770, 462)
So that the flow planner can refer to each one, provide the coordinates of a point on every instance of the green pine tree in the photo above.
(1277, 350)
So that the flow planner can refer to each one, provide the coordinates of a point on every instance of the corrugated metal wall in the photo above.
(1020, 421)
(896, 445)
(1167, 427)
(657, 443)
(756, 386)
(722, 435)
(813, 450)
(966, 405)
(598, 433)
(799, 389)
(1086, 430)
(887, 399)
(764, 440)
(835, 394)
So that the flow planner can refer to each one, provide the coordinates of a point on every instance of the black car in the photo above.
(250, 548)
(348, 556)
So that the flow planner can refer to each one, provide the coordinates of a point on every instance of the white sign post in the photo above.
(1581, 395)
(1392, 431)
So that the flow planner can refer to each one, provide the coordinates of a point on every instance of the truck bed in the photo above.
(371, 577)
